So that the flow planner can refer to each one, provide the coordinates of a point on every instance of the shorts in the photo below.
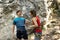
(22, 34)
(38, 36)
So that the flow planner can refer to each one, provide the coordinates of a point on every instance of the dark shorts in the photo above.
(22, 34)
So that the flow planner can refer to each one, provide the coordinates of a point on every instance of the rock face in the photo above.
(8, 13)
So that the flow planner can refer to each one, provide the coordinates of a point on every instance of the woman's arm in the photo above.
(35, 23)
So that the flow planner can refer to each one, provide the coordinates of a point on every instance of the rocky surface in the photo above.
(8, 12)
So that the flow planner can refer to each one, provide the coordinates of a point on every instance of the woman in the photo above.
(36, 25)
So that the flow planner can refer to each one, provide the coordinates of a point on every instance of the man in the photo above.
(19, 22)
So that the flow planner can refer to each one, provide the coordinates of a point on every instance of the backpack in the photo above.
(38, 21)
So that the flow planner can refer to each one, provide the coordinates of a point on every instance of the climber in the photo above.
(19, 22)
(36, 25)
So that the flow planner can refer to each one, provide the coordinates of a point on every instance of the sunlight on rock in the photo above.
(44, 10)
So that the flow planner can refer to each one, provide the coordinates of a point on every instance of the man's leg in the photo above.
(19, 35)
(25, 36)
(18, 39)
(25, 39)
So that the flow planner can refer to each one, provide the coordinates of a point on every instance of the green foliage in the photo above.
(43, 28)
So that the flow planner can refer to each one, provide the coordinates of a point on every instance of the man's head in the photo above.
(19, 12)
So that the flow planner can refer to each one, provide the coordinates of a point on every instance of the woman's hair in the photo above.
(33, 12)
(18, 11)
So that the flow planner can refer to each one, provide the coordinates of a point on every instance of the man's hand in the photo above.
(12, 35)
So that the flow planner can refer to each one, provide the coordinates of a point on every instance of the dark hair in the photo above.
(33, 12)
(18, 11)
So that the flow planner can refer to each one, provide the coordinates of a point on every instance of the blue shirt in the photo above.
(20, 23)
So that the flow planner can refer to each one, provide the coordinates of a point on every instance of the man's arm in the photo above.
(13, 27)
